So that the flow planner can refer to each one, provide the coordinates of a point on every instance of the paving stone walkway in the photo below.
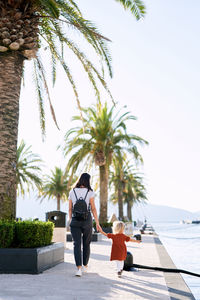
(101, 282)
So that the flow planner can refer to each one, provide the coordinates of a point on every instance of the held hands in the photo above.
(98, 227)
(101, 231)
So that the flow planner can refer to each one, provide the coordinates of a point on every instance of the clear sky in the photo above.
(156, 68)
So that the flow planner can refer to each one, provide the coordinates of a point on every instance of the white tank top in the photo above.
(81, 192)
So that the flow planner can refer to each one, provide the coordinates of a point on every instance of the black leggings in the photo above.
(81, 230)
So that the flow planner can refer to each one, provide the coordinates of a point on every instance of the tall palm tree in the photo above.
(117, 180)
(25, 27)
(103, 137)
(121, 177)
(134, 189)
(28, 169)
(56, 187)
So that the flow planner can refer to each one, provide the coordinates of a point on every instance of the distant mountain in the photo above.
(30, 207)
(161, 213)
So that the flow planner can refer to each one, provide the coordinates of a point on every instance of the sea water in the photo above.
(182, 242)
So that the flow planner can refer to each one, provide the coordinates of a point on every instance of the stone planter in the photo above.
(30, 260)
(107, 229)
(59, 235)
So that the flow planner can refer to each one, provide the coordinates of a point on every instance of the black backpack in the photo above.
(80, 210)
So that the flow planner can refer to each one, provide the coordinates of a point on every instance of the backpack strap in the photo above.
(86, 194)
(75, 195)
(89, 201)
(89, 206)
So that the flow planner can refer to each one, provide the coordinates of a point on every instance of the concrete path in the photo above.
(101, 282)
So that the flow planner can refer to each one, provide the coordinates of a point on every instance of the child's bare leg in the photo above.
(120, 265)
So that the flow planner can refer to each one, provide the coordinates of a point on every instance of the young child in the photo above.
(118, 251)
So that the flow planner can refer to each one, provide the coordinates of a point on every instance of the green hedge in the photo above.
(26, 234)
(30, 234)
(6, 233)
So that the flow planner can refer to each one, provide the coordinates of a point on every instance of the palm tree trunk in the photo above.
(10, 82)
(103, 170)
(58, 202)
(129, 210)
(120, 203)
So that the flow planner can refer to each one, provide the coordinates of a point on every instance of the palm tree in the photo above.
(28, 169)
(134, 190)
(103, 137)
(56, 186)
(117, 180)
(25, 27)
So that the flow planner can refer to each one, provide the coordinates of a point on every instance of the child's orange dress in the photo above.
(118, 251)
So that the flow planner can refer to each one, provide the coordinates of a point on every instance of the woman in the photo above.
(82, 229)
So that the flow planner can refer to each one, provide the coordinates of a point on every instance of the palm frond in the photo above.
(41, 70)
(28, 169)
(99, 136)
(50, 7)
(39, 89)
(135, 6)
(56, 184)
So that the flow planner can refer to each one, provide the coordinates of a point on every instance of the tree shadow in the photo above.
(95, 286)
(180, 294)
(96, 256)
(150, 274)
(61, 283)
(144, 284)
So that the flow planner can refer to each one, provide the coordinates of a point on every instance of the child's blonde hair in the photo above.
(118, 226)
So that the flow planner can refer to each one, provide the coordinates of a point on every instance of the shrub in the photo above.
(30, 234)
(25, 234)
(106, 225)
(6, 233)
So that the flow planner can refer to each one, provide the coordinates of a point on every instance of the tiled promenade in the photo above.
(101, 282)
